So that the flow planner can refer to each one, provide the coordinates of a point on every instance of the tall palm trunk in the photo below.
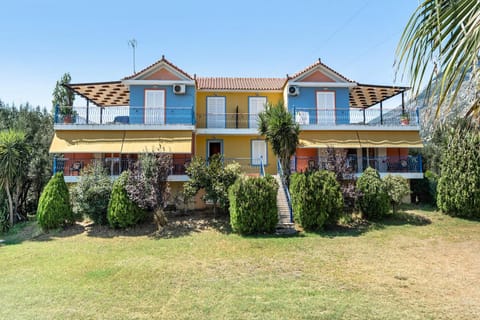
(10, 203)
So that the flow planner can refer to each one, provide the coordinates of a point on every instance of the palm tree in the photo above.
(441, 45)
(281, 131)
(13, 162)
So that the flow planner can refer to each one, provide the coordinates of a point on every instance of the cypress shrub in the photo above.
(123, 212)
(316, 199)
(253, 205)
(373, 201)
(54, 205)
(91, 194)
(458, 192)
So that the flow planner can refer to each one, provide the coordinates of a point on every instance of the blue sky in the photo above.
(41, 40)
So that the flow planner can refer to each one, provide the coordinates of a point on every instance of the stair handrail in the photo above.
(262, 167)
(285, 188)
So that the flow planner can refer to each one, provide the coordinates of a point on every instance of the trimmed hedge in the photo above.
(123, 212)
(54, 208)
(253, 205)
(373, 200)
(458, 190)
(316, 199)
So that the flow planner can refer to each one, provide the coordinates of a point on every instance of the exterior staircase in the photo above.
(285, 225)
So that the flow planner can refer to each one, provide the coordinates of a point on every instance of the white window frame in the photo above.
(255, 106)
(256, 151)
(216, 119)
(326, 105)
(155, 101)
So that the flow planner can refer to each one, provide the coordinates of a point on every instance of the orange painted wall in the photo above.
(303, 156)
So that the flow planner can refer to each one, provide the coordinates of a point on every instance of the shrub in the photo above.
(373, 200)
(316, 199)
(213, 177)
(425, 190)
(253, 205)
(397, 188)
(54, 205)
(459, 182)
(91, 194)
(123, 212)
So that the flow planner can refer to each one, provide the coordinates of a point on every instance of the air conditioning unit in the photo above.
(179, 88)
(293, 90)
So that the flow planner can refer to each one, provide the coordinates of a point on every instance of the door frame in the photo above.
(209, 141)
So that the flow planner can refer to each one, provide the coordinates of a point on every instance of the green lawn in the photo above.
(404, 268)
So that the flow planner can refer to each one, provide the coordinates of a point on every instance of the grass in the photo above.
(417, 265)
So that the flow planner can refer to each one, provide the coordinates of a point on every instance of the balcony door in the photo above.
(216, 112)
(326, 107)
(255, 106)
(154, 106)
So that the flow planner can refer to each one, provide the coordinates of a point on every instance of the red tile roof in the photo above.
(157, 63)
(318, 63)
(220, 83)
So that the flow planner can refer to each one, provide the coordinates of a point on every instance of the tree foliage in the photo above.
(91, 194)
(397, 188)
(253, 205)
(373, 200)
(63, 96)
(54, 206)
(123, 212)
(280, 130)
(37, 126)
(440, 45)
(213, 177)
(458, 192)
(14, 152)
(316, 199)
(147, 184)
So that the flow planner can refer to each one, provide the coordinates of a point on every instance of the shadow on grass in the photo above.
(357, 227)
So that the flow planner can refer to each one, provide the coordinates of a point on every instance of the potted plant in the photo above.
(67, 113)
(404, 119)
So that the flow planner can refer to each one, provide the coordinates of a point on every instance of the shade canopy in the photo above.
(360, 139)
(399, 139)
(336, 139)
(121, 142)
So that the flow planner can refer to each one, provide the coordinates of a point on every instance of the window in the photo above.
(154, 106)
(216, 112)
(259, 151)
(325, 107)
(255, 106)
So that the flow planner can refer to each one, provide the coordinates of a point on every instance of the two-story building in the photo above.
(164, 107)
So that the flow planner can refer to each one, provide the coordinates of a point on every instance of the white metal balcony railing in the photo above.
(93, 115)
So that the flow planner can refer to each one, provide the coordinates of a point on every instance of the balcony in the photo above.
(114, 166)
(227, 121)
(408, 166)
(128, 116)
(312, 118)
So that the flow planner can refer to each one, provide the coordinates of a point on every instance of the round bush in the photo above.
(373, 201)
(316, 199)
(91, 194)
(123, 212)
(54, 204)
(253, 205)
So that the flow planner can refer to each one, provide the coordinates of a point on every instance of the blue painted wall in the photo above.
(179, 107)
(306, 101)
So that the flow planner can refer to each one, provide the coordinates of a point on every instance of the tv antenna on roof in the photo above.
(133, 43)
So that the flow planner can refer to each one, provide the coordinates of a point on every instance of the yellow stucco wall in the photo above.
(237, 147)
(232, 100)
